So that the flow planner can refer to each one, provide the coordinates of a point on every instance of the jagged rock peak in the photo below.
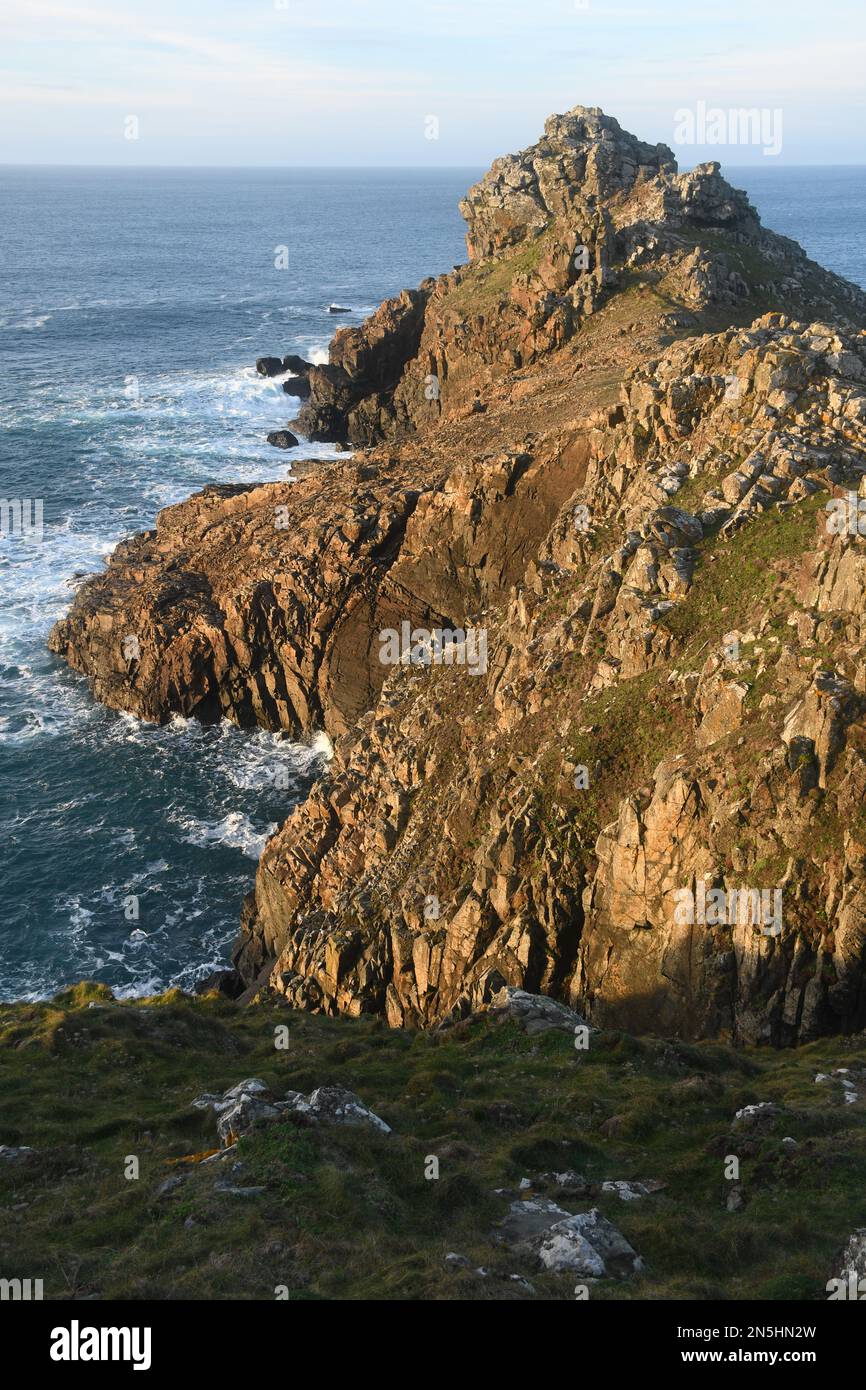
(585, 159)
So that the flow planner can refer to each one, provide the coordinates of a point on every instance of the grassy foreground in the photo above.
(88, 1082)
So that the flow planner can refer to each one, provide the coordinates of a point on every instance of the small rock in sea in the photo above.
(297, 386)
(283, 439)
(338, 309)
(299, 365)
(269, 366)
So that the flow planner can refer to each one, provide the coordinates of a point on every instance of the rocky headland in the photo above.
(626, 444)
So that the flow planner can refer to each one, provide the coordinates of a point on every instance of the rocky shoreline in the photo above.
(615, 442)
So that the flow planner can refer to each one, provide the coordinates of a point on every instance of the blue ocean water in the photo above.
(132, 307)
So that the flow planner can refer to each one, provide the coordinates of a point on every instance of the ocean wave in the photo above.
(111, 806)
(24, 325)
(235, 831)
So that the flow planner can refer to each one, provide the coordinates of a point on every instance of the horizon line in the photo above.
(425, 168)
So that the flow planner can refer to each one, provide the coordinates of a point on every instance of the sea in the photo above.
(133, 304)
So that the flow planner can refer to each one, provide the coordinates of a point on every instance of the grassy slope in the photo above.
(348, 1214)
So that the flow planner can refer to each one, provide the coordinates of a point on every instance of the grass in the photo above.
(483, 286)
(739, 577)
(348, 1214)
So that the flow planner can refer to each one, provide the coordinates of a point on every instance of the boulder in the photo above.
(758, 1116)
(586, 1244)
(298, 365)
(283, 439)
(251, 1103)
(269, 366)
(245, 1115)
(535, 1012)
(297, 386)
(336, 1106)
(851, 1268)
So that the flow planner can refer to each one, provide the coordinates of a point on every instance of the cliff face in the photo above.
(631, 515)
(678, 708)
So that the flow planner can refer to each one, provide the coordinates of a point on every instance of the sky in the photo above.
(422, 82)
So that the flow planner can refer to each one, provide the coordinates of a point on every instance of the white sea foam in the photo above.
(128, 446)
(235, 830)
(322, 745)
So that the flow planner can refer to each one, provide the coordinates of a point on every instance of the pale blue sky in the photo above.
(262, 82)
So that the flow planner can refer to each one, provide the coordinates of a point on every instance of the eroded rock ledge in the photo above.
(635, 510)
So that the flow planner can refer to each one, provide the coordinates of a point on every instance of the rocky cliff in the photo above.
(619, 456)
(553, 233)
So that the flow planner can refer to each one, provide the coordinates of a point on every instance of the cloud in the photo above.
(351, 80)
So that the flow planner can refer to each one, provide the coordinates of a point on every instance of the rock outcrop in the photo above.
(252, 1105)
(552, 234)
(589, 641)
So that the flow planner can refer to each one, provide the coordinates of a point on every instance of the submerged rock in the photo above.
(298, 365)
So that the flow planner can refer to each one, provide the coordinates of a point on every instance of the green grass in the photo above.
(483, 286)
(349, 1214)
(736, 579)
